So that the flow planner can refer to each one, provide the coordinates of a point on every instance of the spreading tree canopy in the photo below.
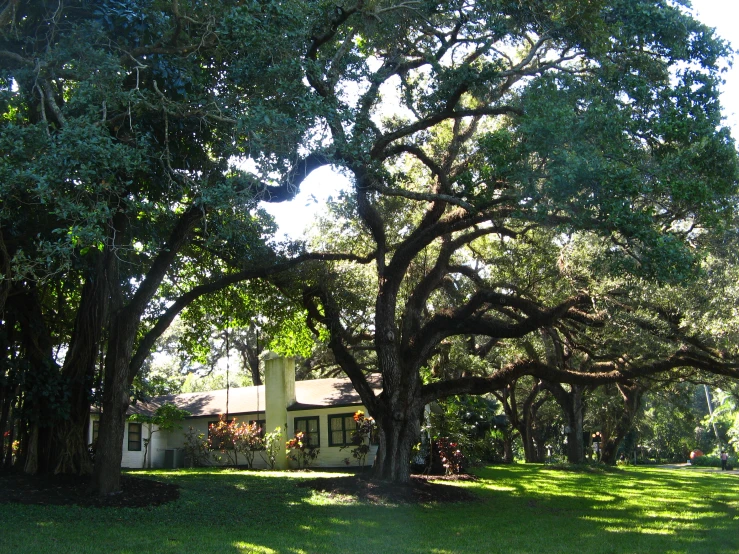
(483, 137)
(121, 202)
(480, 137)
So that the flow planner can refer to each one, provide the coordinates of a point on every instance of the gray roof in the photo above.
(316, 393)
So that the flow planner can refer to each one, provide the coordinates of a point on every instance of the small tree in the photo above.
(166, 418)
(272, 447)
(301, 451)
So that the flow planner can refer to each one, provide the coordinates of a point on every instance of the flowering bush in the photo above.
(232, 438)
(300, 451)
(362, 437)
(248, 440)
(451, 456)
(222, 437)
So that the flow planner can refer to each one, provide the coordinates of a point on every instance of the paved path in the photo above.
(690, 467)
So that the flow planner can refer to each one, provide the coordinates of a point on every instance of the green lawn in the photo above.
(521, 508)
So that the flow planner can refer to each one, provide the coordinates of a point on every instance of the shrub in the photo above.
(222, 437)
(361, 437)
(300, 451)
(196, 449)
(272, 447)
(712, 461)
(248, 440)
(451, 456)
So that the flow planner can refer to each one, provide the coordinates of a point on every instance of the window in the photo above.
(309, 427)
(341, 428)
(95, 430)
(134, 436)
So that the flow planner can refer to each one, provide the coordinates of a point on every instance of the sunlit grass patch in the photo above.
(520, 508)
(248, 548)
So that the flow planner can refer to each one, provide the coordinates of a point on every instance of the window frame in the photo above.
(308, 434)
(132, 424)
(346, 433)
(95, 431)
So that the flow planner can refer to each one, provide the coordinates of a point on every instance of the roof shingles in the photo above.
(317, 393)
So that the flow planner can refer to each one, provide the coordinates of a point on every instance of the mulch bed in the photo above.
(421, 489)
(64, 490)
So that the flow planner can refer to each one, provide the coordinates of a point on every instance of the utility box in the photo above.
(169, 460)
(174, 458)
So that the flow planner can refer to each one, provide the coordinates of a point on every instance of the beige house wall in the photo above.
(329, 456)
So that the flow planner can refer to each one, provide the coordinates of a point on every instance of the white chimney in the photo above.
(279, 392)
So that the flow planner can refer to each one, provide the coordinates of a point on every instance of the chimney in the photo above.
(279, 392)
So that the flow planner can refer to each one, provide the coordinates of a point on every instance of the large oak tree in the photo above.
(460, 123)
(463, 122)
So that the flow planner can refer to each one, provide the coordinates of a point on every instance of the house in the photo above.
(322, 408)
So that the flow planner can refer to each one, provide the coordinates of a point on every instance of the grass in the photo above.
(522, 508)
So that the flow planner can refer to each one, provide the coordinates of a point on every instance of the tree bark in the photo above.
(507, 448)
(109, 451)
(119, 373)
(70, 453)
(399, 432)
(571, 403)
(250, 347)
(41, 387)
(632, 396)
(532, 447)
(574, 418)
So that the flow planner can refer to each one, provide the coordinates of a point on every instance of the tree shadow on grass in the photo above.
(516, 509)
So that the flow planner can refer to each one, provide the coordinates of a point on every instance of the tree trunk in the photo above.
(6, 399)
(574, 418)
(632, 396)
(7, 459)
(44, 392)
(70, 454)
(119, 372)
(508, 448)
(250, 347)
(398, 435)
(527, 425)
(571, 403)
(538, 433)
(529, 450)
(109, 452)
(32, 455)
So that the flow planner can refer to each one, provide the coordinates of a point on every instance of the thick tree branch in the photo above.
(501, 378)
(165, 320)
(338, 343)
(378, 150)
(428, 197)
